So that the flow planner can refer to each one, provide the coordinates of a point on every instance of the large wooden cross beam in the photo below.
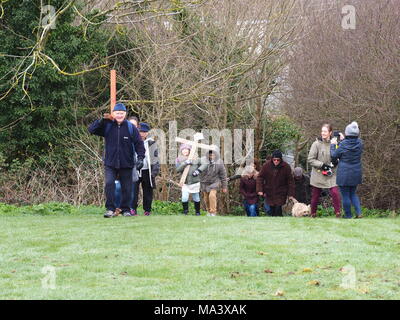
(193, 151)
(113, 89)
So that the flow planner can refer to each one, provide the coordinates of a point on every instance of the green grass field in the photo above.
(178, 257)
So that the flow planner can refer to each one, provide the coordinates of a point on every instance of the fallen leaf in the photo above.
(262, 253)
(290, 272)
(268, 271)
(307, 270)
(364, 290)
(279, 293)
(13, 271)
(236, 274)
(314, 283)
(124, 273)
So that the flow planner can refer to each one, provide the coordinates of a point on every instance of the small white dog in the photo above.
(300, 209)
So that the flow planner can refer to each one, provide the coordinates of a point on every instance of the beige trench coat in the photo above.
(319, 154)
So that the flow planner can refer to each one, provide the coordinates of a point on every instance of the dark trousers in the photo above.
(144, 180)
(118, 194)
(124, 175)
(276, 211)
(134, 194)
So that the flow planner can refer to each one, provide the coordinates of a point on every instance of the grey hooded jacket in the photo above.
(213, 174)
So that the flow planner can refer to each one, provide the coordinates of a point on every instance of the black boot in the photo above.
(185, 206)
(197, 207)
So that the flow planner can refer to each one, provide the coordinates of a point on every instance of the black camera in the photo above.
(326, 169)
(336, 134)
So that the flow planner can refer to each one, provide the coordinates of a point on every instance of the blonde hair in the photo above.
(249, 171)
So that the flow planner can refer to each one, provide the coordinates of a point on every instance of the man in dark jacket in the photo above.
(275, 182)
(122, 140)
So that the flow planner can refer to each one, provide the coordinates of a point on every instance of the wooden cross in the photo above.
(193, 151)
(113, 90)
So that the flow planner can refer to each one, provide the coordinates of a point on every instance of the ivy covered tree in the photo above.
(42, 71)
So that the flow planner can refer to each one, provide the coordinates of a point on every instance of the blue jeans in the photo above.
(117, 199)
(251, 209)
(349, 197)
(267, 208)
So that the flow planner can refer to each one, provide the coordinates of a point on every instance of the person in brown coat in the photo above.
(275, 182)
(212, 177)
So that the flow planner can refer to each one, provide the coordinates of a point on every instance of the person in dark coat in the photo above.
(149, 171)
(302, 186)
(248, 189)
(119, 158)
(349, 171)
(275, 182)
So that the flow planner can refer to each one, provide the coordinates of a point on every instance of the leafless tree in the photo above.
(340, 75)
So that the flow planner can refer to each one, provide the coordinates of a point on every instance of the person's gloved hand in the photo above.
(139, 164)
(196, 173)
(108, 116)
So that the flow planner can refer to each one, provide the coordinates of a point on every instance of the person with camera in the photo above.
(349, 171)
(122, 141)
(323, 173)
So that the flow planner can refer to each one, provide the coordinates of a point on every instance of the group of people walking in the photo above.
(335, 159)
(131, 159)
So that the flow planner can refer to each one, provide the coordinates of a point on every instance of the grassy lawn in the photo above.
(177, 257)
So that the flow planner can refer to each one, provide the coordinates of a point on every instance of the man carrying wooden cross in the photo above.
(213, 176)
(122, 141)
(214, 173)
